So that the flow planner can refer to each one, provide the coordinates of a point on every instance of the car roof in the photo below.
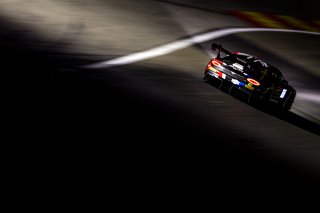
(255, 66)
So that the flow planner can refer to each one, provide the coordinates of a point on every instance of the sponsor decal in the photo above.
(213, 69)
(241, 84)
(213, 73)
(235, 81)
(249, 86)
(223, 76)
(237, 66)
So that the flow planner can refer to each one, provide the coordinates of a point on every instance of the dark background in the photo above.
(77, 129)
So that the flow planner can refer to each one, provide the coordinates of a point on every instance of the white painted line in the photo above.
(181, 44)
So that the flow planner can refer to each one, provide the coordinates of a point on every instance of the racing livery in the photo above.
(248, 75)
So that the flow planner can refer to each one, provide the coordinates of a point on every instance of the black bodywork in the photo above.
(251, 77)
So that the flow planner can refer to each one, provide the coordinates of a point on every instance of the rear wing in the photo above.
(219, 47)
(216, 46)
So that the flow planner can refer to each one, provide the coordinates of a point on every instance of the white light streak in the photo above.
(181, 44)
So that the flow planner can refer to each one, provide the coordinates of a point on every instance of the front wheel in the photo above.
(287, 104)
(260, 99)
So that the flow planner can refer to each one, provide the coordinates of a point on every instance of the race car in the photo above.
(241, 73)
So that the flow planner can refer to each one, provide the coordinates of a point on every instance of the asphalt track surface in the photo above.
(151, 124)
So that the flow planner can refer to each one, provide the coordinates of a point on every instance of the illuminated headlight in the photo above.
(284, 91)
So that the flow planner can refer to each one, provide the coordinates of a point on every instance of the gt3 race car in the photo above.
(242, 73)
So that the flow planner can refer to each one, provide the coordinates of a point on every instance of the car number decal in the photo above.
(237, 66)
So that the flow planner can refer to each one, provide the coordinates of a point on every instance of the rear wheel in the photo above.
(206, 78)
(265, 97)
(212, 81)
(260, 99)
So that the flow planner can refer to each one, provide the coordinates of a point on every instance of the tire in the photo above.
(287, 104)
(265, 98)
(206, 78)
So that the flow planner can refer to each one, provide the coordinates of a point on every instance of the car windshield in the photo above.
(255, 70)
(248, 64)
